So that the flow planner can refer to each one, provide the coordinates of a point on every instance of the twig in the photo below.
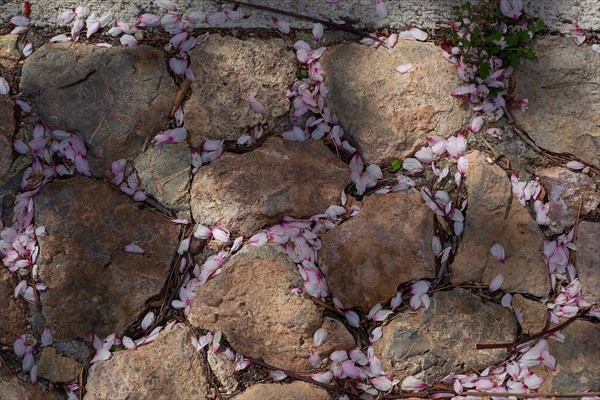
(328, 24)
(482, 346)
(180, 95)
(303, 378)
(325, 305)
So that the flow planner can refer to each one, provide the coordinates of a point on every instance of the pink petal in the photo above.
(258, 239)
(318, 31)
(47, 338)
(476, 124)
(381, 9)
(202, 232)
(19, 20)
(375, 335)
(405, 68)
(20, 147)
(352, 318)
(419, 34)
(132, 248)
(178, 65)
(129, 40)
(576, 165)
(148, 320)
(100, 355)
(4, 88)
(324, 377)
(255, 104)
(166, 4)
(496, 283)
(277, 375)
(319, 337)
(412, 384)
(282, 24)
(28, 49)
(498, 251)
(382, 383)
(147, 20)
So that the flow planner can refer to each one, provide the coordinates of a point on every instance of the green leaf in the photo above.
(396, 165)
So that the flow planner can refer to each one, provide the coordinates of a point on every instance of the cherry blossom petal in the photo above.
(496, 283)
(319, 337)
(277, 375)
(133, 248)
(255, 104)
(412, 384)
(47, 337)
(323, 377)
(166, 4)
(148, 320)
(281, 24)
(576, 165)
(129, 40)
(352, 318)
(317, 31)
(381, 9)
(418, 34)
(405, 68)
(498, 251)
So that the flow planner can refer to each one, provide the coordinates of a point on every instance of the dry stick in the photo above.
(301, 377)
(327, 306)
(482, 346)
(180, 95)
(329, 24)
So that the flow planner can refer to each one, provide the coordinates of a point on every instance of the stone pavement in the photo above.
(203, 267)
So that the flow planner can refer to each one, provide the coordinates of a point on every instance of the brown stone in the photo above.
(563, 88)
(566, 190)
(577, 358)
(386, 114)
(169, 368)
(494, 215)
(226, 70)
(9, 51)
(14, 311)
(433, 342)
(274, 391)
(222, 367)
(7, 130)
(57, 368)
(12, 389)
(248, 191)
(535, 314)
(117, 98)
(587, 259)
(92, 283)
(388, 243)
(165, 174)
(252, 303)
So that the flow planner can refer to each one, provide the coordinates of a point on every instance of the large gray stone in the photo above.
(388, 243)
(252, 303)
(494, 216)
(587, 259)
(245, 192)
(92, 283)
(165, 173)
(433, 342)
(117, 98)
(386, 114)
(563, 88)
(7, 130)
(169, 368)
(226, 70)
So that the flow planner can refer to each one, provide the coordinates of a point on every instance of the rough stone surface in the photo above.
(14, 311)
(293, 391)
(496, 216)
(7, 130)
(587, 259)
(92, 282)
(168, 368)
(165, 174)
(245, 192)
(226, 70)
(535, 314)
(222, 367)
(9, 53)
(252, 304)
(57, 368)
(566, 189)
(12, 389)
(577, 358)
(441, 339)
(388, 243)
(117, 98)
(570, 73)
(402, 13)
(386, 114)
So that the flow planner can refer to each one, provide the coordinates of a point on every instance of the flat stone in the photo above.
(566, 189)
(274, 391)
(9, 52)
(388, 243)
(535, 314)
(165, 173)
(117, 98)
(433, 342)
(252, 303)
(168, 368)
(226, 70)
(587, 259)
(494, 215)
(563, 88)
(245, 192)
(92, 283)
(386, 114)
(58, 368)
(7, 130)
(577, 358)
(14, 311)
